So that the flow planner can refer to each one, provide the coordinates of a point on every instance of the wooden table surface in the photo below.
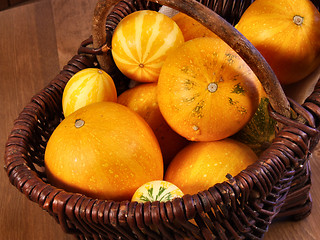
(37, 39)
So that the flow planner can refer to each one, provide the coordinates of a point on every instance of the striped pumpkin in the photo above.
(141, 42)
(87, 86)
(157, 190)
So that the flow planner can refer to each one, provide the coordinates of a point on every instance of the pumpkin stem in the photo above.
(298, 20)
(212, 87)
(78, 123)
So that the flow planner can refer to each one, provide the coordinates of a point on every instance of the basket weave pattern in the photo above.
(241, 208)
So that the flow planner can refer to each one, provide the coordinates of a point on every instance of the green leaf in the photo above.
(150, 192)
(166, 197)
(145, 199)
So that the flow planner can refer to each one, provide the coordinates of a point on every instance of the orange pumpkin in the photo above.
(287, 34)
(141, 42)
(143, 100)
(206, 91)
(103, 150)
(202, 164)
(191, 28)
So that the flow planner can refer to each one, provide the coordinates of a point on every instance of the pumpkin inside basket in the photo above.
(243, 207)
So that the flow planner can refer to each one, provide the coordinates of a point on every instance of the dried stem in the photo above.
(102, 9)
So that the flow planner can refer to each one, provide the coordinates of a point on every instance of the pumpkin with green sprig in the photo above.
(158, 190)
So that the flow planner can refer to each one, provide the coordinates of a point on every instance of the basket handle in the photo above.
(217, 25)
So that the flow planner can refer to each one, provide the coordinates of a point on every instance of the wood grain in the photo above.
(28, 60)
(73, 21)
(37, 40)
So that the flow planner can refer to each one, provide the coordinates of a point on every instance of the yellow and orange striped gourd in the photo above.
(87, 86)
(141, 42)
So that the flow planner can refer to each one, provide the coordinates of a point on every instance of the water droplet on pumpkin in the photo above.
(194, 127)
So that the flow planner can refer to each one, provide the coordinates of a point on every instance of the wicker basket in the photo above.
(277, 186)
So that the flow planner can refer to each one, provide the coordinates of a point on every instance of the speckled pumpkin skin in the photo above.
(103, 150)
(206, 91)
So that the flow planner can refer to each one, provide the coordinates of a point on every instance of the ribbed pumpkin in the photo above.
(141, 42)
(287, 34)
(206, 91)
